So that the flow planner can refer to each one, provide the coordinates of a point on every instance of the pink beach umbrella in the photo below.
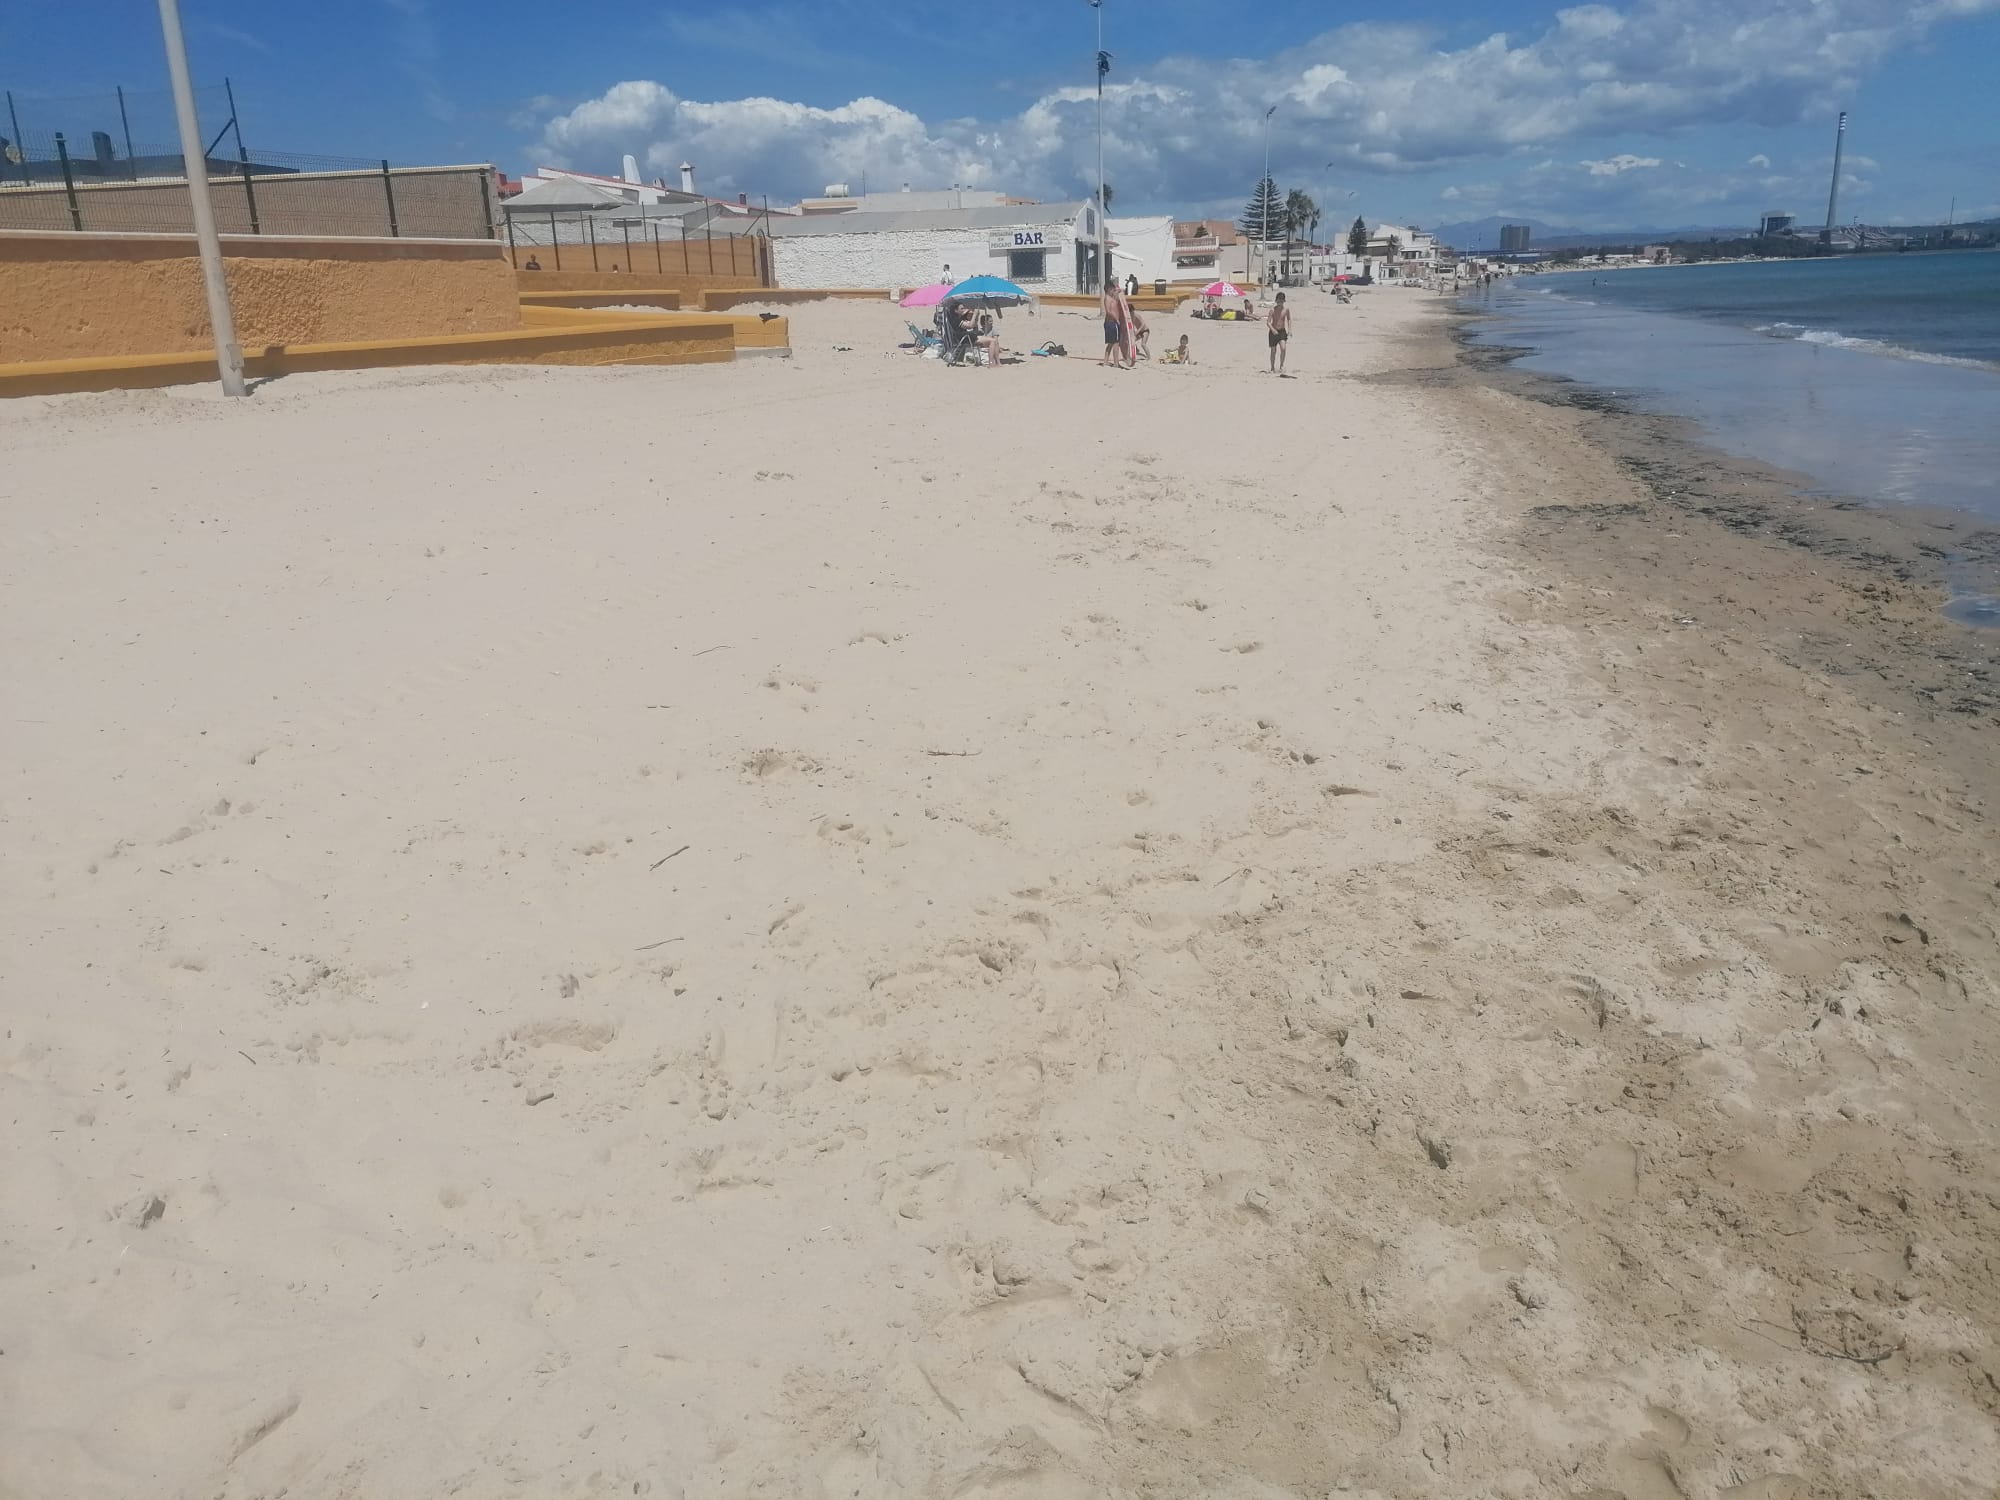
(1222, 289)
(928, 296)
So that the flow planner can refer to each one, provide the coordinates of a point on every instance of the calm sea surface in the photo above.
(1876, 376)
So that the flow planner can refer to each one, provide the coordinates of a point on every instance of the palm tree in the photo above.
(1301, 213)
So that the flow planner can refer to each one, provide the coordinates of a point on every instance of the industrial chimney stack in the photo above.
(1833, 191)
(687, 174)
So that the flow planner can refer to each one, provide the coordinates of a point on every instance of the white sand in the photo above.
(1089, 805)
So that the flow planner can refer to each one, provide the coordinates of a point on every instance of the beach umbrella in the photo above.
(1222, 289)
(988, 289)
(927, 296)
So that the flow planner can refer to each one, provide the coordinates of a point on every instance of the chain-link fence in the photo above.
(59, 171)
(609, 240)
(121, 115)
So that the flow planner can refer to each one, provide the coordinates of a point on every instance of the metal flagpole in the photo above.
(228, 353)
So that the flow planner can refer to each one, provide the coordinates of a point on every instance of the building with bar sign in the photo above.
(1046, 247)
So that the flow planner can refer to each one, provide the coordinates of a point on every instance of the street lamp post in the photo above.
(1326, 210)
(1264, 207)
(194, 161)
(1103, 229)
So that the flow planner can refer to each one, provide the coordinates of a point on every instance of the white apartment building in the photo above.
(1415, 252)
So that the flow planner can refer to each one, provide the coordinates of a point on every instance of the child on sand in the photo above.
(1179, 355)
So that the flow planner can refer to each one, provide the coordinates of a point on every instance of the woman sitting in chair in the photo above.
(976, 329)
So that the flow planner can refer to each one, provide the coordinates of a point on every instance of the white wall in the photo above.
(1328, 263)
(910, 258)
(1152, 240)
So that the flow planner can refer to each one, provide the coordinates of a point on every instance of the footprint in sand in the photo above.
(768, 765)
(798, 682)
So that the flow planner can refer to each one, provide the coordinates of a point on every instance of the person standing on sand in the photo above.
(1279, 329)
(1113, 306)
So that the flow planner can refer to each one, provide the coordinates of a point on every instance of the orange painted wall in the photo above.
(76, 296)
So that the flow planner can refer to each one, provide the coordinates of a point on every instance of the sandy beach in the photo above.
(835, 927)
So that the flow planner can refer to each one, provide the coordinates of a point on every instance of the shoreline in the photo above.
(1107, 958)
(1944, 553)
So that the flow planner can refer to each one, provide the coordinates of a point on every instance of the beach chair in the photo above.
(957, 346)
(921, 338)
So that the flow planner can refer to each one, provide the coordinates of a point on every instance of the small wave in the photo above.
(1828, 338)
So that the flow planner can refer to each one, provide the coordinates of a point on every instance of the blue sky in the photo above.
(1647, 113)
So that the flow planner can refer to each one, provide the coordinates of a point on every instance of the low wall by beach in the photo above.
(719, 299)
(81, 296)
(545, 337)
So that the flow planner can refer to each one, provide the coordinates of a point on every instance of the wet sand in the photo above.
(837, 927)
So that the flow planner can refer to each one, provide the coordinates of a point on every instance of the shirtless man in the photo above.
(1113, 306)
(1279, 329)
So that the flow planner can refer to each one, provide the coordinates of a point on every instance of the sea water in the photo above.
(1877, 377)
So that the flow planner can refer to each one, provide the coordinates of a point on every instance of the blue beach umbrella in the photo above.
(988, 288)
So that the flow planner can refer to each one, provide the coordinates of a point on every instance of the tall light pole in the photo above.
(1103, 228)
(228, 353)
(1264, 206)
(1326, 209)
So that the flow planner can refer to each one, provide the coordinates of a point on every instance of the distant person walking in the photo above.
(532, 265)
(1279, 329)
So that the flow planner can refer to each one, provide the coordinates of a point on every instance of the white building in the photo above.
(1046, 247)
(1329, 261)
(558, 205)
(1415, 253)
(1143, 248)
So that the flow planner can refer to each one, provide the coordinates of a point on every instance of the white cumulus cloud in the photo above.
(1611, 166)
(1377, 98)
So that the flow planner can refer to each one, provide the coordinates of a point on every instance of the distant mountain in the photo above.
(1484, 234)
